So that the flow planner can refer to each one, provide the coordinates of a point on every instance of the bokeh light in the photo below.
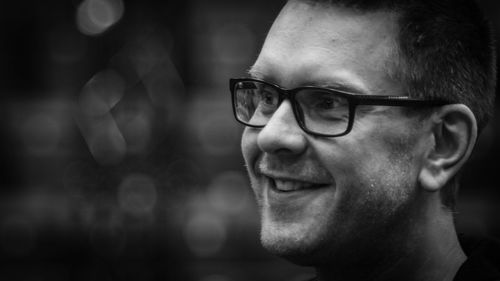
(218, 134)
(164, 88)
(149, 54)
(137, 194)
(215, 127)
(135, 123)
(41, 133)
(106, 142)
(44, 204)
(101, 93)
(229, 192)
(96, 16)
(122, 159)
(205, 234)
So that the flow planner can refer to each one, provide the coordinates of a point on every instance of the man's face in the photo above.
(333, 198)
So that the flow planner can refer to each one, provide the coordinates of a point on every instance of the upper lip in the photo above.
(282, 170)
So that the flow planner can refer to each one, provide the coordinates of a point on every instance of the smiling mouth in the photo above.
(286, 186)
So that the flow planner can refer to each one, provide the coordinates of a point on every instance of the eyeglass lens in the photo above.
(322, 112)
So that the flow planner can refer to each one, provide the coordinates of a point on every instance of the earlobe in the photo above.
(454, 133)
(431, 178)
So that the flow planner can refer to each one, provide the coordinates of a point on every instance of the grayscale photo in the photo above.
(293, 140)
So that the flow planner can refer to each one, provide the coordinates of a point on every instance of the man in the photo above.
(359, 115)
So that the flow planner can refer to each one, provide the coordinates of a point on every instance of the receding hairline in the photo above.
(395, 64)
(375, 6)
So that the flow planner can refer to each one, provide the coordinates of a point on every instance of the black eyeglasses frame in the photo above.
(353, 99)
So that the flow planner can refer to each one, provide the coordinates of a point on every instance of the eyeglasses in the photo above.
(319, 111)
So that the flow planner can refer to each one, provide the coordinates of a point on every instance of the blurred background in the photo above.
(120, 155)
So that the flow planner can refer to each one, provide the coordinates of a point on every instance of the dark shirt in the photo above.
(483, 260)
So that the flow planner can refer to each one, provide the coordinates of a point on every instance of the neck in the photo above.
(431, 252)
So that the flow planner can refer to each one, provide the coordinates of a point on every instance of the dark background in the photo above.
(120, 155)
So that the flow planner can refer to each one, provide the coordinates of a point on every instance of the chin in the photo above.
(294, 251)
(299, 246)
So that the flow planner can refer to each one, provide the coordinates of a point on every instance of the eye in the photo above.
(327, 102)
(324, 101)
(267, 97)
(265, 101)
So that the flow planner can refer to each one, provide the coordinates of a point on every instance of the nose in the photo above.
(282, 133)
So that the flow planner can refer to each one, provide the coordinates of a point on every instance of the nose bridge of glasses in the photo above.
(287, 94)
(283, 118)
(283, 94)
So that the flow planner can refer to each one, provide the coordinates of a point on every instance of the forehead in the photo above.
(323, 44)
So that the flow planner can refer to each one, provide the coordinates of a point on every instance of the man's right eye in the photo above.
(267, 98)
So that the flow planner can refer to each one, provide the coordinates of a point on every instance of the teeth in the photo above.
(291, 185)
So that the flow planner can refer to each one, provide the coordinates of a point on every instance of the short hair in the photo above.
(445, 51)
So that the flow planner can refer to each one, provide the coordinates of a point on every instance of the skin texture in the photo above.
(368, 205)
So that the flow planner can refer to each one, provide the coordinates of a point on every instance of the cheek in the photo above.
(249, 147)
(377, 165)
(250, 153)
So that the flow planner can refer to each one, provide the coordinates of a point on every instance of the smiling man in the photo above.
(359, 116)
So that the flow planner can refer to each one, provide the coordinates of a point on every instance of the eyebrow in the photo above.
(338, 85)
(254, 73)
(331, 83)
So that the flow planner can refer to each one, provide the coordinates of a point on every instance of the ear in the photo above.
(454, 133)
